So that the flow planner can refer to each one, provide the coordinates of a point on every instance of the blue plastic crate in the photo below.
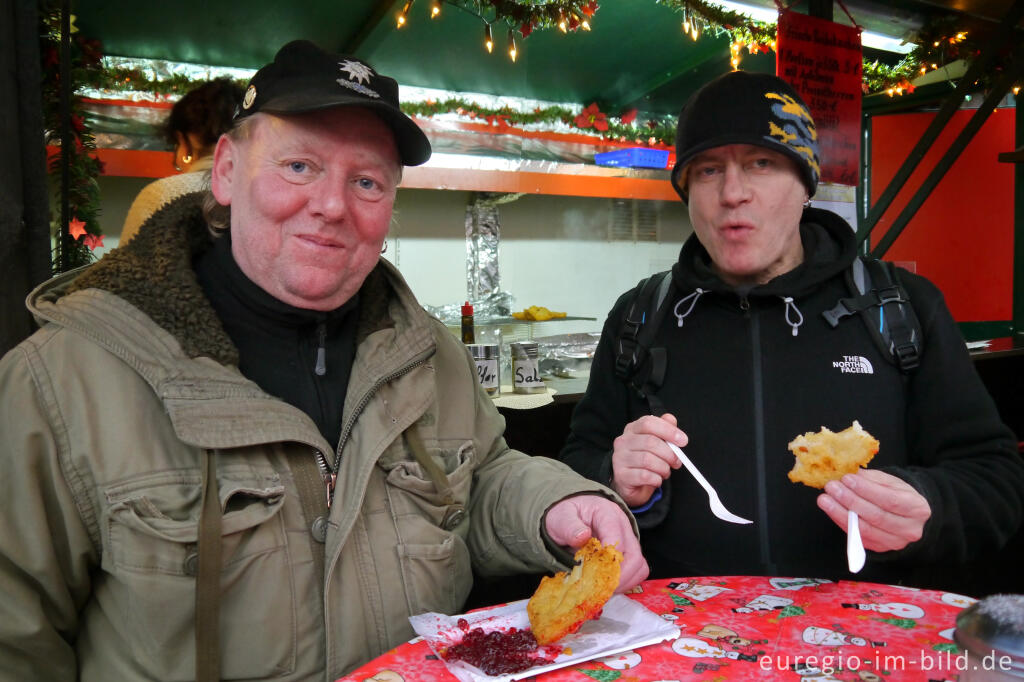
(633, 157)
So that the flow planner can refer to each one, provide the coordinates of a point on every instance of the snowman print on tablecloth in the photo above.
(698, 592)
(794, 584)
(834, 638)
(765, 602)
(726, 637)
(693, 647)
(898, 609)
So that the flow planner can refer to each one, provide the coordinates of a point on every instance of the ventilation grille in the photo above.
(633, 221)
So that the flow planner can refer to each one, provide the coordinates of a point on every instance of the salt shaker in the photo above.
(525, 368)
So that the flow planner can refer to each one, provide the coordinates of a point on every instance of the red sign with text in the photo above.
(822, 61)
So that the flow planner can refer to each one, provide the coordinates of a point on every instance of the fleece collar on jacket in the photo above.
(829, 248)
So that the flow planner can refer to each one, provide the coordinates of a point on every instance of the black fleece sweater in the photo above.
(303, 357)
(742, 385)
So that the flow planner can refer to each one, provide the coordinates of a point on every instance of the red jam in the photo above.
(498, 652)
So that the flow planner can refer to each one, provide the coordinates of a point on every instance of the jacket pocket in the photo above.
(150, 557)
(437, 577)
(432, 525)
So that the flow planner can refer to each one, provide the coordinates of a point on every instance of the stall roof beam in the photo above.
(381, 10)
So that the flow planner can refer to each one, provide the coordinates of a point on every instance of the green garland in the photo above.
(124, 79)
(699, 16)
(85, 168)
(527, 15)
(621, 128)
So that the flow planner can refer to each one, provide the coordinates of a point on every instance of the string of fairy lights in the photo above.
(522, 16)
(937, 44)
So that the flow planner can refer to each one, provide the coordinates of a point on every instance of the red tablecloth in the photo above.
(756, 628)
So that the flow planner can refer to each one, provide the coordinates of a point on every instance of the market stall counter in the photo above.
(751, 628)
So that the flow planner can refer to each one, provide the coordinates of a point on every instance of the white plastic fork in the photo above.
(717, 508)
(855, 555)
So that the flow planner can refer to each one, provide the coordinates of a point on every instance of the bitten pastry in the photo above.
(563, 602)
(825, 456)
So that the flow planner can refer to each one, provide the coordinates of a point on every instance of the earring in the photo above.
(807, 204)
(187, 158)
(384, 250)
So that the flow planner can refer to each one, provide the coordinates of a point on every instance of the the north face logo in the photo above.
(854, 364)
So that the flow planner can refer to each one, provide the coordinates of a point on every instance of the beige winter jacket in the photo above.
(104, 415)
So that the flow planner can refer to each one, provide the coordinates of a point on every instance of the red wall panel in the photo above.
(962, 236)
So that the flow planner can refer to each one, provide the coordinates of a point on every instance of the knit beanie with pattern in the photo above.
(743, 107)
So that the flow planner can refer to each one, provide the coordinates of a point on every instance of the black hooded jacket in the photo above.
(749, 371)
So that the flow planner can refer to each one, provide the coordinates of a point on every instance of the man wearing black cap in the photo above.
(247, 452)
(739, 359)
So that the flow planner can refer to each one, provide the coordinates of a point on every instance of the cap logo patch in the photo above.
(793, 127)
(357, 71)
(357, 74)
(250, 97)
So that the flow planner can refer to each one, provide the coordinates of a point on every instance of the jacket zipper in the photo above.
(330, 478)
(330, 473)
(321, 349)
(759, 449)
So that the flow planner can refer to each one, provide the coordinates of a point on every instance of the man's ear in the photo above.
(224, 165)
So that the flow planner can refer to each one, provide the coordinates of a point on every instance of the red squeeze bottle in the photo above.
(467, 323)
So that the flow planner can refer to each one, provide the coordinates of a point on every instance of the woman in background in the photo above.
(192, 129)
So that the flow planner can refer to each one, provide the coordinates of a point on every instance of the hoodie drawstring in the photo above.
(794, 323)
(695, 295)
(790, 305)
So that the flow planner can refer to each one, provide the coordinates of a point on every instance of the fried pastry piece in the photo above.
(538, 313)
(563, 602)
(825, 456)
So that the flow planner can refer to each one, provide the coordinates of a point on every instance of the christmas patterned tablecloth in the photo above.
(757, 628)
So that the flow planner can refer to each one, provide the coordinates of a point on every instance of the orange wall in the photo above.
(962, 236)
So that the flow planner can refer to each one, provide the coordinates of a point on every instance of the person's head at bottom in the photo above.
(747, 165)
(310, 172)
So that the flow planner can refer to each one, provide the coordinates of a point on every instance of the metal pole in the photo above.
(66, 143)
(945, 113)
(999, 90)
(1018, 226)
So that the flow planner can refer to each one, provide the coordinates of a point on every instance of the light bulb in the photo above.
(488, 40)
(403, 17)
(512, 51)
(435, 9)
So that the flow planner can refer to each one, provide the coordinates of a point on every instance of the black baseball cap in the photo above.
(305, 78)
(743, 107)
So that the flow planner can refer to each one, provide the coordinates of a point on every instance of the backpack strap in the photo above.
(884, 305)
(636, 363)
(904, 331)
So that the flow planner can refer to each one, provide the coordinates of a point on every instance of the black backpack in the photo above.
(877, 294)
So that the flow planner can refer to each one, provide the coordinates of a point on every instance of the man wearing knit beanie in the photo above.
(730, 355)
